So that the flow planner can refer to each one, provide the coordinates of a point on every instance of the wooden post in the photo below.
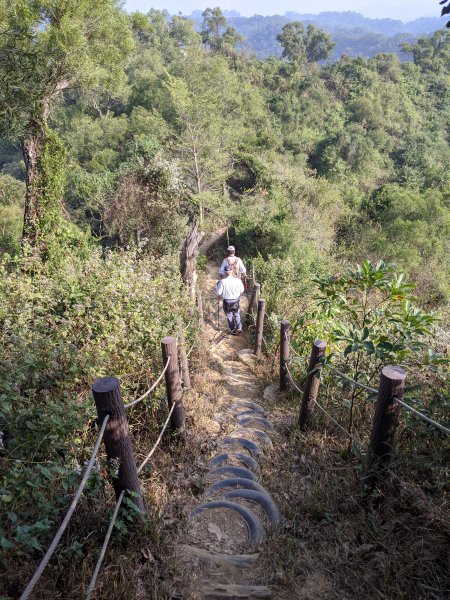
(253, 300)
(119, 449)
(312, 383)
(173, 383)
(260, 326)
(285, 337)
(385, 422)
(228, 238)
(253, 275)
(200, 309)
(183, 357)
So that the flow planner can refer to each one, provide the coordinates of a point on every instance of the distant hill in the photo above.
(354, 34)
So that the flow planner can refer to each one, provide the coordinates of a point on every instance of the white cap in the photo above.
(231, 249)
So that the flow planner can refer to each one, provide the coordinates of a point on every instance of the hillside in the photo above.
(133, 150)
(354, 34)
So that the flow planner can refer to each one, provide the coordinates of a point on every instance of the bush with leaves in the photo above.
(369, 318)
(61, 329)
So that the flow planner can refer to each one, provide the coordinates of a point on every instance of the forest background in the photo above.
(131, 125)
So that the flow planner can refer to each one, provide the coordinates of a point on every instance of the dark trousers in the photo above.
(232, 311)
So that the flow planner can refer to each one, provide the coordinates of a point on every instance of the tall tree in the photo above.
(47, 47)
(302, 46)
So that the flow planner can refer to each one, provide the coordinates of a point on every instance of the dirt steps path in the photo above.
(235, 513)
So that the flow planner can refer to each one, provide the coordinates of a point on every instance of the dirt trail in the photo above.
(234, 514)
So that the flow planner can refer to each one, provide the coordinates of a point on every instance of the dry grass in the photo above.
(335, 544)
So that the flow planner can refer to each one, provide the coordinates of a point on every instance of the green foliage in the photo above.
(50, 185)
(300, 46)
(12, 196)
(62, 329)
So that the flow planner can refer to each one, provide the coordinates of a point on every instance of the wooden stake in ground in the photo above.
(312, 382)
(260, 326)
(183, 357)
(119, 450)
(385, 423)
(173, 383)
(252, 301)
(285, 337)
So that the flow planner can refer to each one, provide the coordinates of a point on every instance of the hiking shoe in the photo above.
(238, 330)
(233, 331)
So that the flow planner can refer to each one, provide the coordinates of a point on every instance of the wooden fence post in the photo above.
(312, 382)
(253, 300)
(200, 309)
(183, 357)
(385, 422)
(108, 401)
(285, 337)
(173, 383)
(260, 326)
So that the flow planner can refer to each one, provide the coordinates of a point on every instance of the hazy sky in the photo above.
(405, 10)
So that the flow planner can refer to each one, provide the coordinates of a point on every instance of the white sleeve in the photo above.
(222, 268)
(242, 269)
(242, 287)
(219, 288)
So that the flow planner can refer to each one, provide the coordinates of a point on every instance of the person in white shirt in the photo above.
(236, 264)
(231, 289)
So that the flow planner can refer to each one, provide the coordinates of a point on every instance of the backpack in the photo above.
(234, 266)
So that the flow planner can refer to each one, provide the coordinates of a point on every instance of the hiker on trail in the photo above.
(231, 289)
(236, 264)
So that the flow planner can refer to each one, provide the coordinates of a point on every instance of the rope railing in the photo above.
(355, 383)
(150, 454)
(150, 390)
(169, 346)
(292, 380)
(51, 549)
(102, 554)
(424, 417)
(373, 390)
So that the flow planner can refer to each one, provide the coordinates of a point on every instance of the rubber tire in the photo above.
(255, 528)
(261, 498)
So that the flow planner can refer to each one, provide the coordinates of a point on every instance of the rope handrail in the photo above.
(347, 433)
(296, 353)
(156, 444)
(292, 380)
(355, 383)
(188, 353)
(101, 557)
(424, 417)
(406, 406)
(150, 390)
(47, 556)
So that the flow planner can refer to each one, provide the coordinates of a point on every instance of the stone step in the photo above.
(235, 592)
(243, 561)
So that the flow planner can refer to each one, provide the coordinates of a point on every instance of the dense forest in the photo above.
(117, 130)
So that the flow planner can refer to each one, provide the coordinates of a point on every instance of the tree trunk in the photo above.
(188, 258)
(31, 148)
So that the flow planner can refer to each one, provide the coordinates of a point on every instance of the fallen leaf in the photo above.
(147, 554)
(213, 528)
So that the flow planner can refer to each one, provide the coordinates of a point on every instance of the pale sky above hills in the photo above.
(406, 10)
